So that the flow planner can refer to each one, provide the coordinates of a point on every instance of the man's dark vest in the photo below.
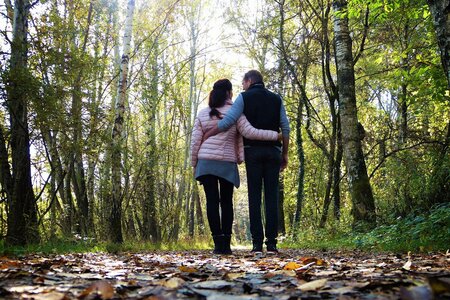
(262, 109)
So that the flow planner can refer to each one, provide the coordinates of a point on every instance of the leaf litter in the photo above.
(293, 274)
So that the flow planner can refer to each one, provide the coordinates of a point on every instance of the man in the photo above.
(263, 159)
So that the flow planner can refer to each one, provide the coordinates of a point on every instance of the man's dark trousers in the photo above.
(263, 168)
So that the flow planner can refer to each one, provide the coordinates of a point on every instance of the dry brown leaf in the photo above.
(313, 285)
(187, 269)
(103, 288)
(233, 276)
(439, 285)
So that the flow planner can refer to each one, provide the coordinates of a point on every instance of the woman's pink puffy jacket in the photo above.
(226, 145)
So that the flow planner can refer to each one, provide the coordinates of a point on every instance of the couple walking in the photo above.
(218, 146)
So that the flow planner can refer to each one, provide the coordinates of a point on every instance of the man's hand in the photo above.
(284, 162)
(210, 132)
(284, 157)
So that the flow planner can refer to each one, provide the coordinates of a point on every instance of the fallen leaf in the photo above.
(439, 285)
(173, 283)
(213, 284)
(233, 276)
(290, 273)
(291, 266)
(50, 296)
(421, 292)
(313, 285)
(407, 265)
(187, 269)
(103, 288)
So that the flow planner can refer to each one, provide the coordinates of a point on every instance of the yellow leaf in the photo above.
(173, 283)
(187, 269)
(291, 266)
(313, 285)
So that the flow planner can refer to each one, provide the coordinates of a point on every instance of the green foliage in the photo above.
(418, 233)
(61, 246)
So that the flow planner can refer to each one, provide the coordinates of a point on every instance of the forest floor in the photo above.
(292, 274)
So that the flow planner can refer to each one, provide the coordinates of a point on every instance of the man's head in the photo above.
(252, 76)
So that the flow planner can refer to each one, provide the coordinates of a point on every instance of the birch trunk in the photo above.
(440, 10)
(363, 209)
(22, 217)
(117, 132)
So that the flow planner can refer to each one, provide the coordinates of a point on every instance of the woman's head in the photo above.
(220, 93)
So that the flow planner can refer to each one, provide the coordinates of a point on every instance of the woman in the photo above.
(215, 161)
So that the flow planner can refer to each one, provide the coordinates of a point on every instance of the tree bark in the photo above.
(363, 209)
(150, 229)
(5, 168)
(440, 10)
(337, 172)
(117, 132)
(78, 173)
(299, 139)
(22, 217)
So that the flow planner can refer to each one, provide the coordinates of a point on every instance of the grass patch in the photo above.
(61, 246)
(419, 233)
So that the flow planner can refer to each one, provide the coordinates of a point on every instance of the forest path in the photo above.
(292, 274)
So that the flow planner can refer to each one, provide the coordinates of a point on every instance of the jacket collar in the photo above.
(256, 85)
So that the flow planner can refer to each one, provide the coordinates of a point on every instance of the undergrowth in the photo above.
(418, 233)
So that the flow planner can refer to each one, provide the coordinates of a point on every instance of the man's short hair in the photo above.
(254, 76)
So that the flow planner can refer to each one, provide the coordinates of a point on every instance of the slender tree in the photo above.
(22, 217)
(440, 10)
(117, 132)
(363, 209)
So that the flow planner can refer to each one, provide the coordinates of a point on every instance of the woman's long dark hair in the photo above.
(218, 96)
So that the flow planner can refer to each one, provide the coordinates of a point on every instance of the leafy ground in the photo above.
(293, 274)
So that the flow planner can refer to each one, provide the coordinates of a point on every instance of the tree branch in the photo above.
(399, 150)
(363, 41)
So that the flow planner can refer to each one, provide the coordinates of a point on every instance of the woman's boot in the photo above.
(226, 244)
(218, 244)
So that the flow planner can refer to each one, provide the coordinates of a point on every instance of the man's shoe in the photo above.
(272, 249)
(218, 244)
(257, 248)
(226, 244)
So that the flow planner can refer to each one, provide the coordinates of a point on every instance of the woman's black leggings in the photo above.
(218, 192)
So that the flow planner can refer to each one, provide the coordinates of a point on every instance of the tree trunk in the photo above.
(5, 168)
(22, 217)
(440, 10)
(78, 174)
(198, 206)
(299, 139)
(150, 229)
(301, 170)
(363, 209)
(337, 172)
(117, 132)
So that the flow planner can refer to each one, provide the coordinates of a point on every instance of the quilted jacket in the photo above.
(226, 145)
